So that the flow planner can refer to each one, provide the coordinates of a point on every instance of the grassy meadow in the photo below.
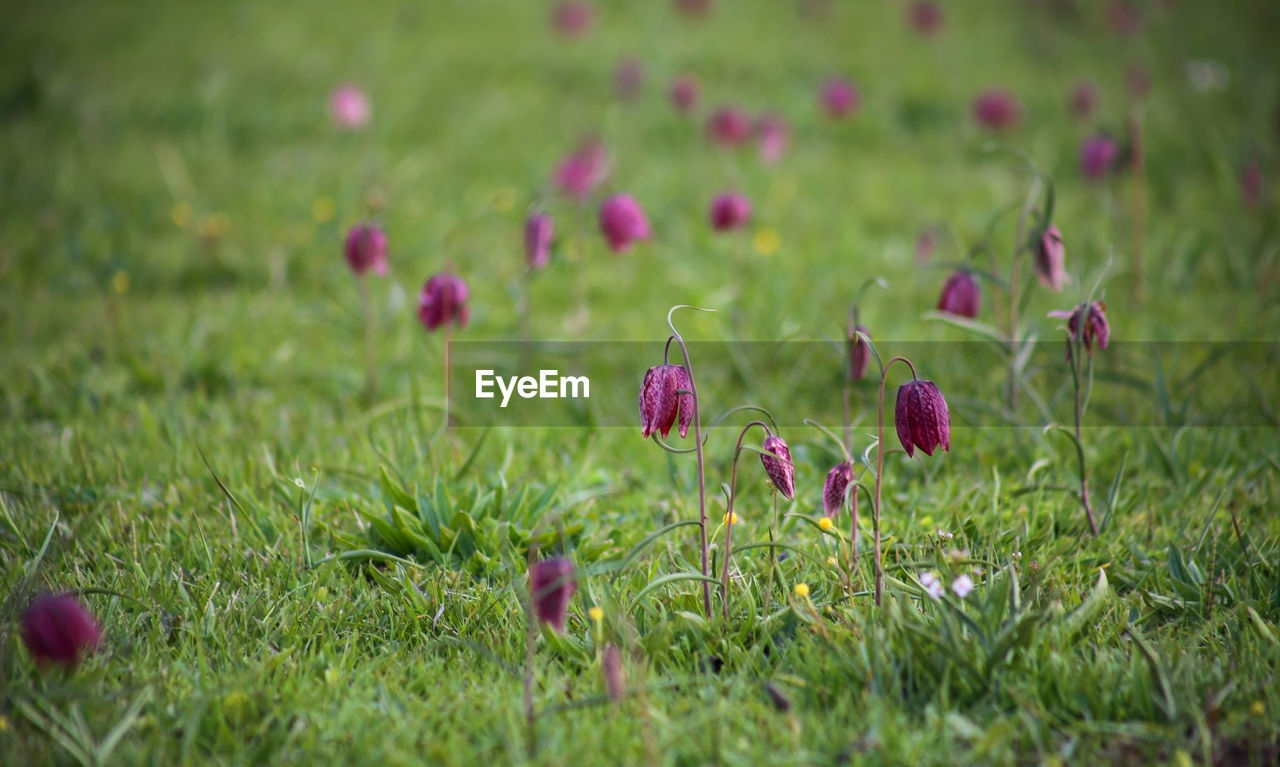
(289, 569)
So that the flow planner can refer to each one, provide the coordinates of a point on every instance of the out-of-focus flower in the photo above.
(1048, 256)
(1098, 155)
(840, 97)
(580, 172)
(615, 682)
(996, 109)
(772, 136)
(684, 93)
(622, 222)
(661, 398)
(551, 586)
(731, 518)
(1096, 327)
(922, 418)
(960, 295)
(859, 354)
(349, 107)
(825, 524)
(573, 19)
(366, 248)
(776, 457)
(1207, 75)
(1251, 184)
(1084, 100)
(730, 211)
(595, 613)
(836, 487)
(802, 590)
(443, 299)
(962, 586)
(932, 584)
(925, 17)
(628, 78)
(926, 243)
(729, 127)
(694, 8)
(538, 231)
(1125, 17)
(58, 629)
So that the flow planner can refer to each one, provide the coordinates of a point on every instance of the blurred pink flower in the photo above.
(694, 7)
(684, 93)
(1097, 156)
(996, 109)
(443, 300)
(1084, 99)
(538, 231)
(730, 211)
(1125, 17)
(960, 295)
(580, 172)
(349, 107)
(58, 629)
(840, 97)
(1251, 184)
(925, 16)
(628, 78)
(573, 19)
(366, 248)
(729, 126)
(622, 222)
(773, 136)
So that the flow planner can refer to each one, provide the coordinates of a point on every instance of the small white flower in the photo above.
(1017, 555)
(943, 535)
(298, 481)
(932, 584)
(962, 586)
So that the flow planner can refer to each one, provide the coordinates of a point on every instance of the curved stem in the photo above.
(728, 517)
(1078, 342)
(875, 508)
(834, 438)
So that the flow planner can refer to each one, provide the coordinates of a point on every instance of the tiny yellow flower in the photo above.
(1258, 708)
(322, 209)
(180, 214)
(824, 524)
(766, 241)
(802, 590)
(732, 521)
(833, 561)
(595, 613)
(120, 281)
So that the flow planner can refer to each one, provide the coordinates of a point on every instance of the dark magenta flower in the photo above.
(365, 249)
(996, 109)
(551, 586)
(443, 299)
(840, 97)
(1097, 156)
(628, 78)
(1096, 327)
(573, 19)
(622, 222)
(666, 389)
(1048, 254)
(58, 629)
(350, 107)
(580, 172)
(773, 136)
(960, 295)
(684, 93)
(776, 457)
(538, 231)
(730, 211)
(729, 126)
(925, 17)
(922, 418)
(859, 354)
(1084, 100)
(835, 488)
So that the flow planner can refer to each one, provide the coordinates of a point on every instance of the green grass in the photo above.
(176, 318)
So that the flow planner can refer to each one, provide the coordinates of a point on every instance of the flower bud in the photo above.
(729, 127)
(776, 457)
(684, 93)
(921, 418)
(443, 299)
(349, 107)
(840, 97)
(730, 211)
(859, 354)
(551, 585)
(960, 295)
(622, 222)
(1097, 156)
(996, 109)
(661, 402)
(365, 249)
(835, 489)
(538, 231)
(58, 629)
(1048, 253)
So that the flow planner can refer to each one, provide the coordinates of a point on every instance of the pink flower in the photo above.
(1096, 326)
(665, 393)
(773, 137)
(349, 107)
(922, 418)
(622, 222)
(580, 172)
(443, 299)
(837, 485)
(730, 211)
(58, 629)
(1084, 99)
(960, 295)
(1047, 257)
(573, 19)
(1097, 156)
(840, 97)
(996, 109)
(551, 586)
(926, 243)
(776, 457)
(962, 586)
(925, 17)
(932, 584)
(366, 248)
(628, 78)
(684, 93)
(694, 7)
(538, 231)
(729, 126)
(1251, 184)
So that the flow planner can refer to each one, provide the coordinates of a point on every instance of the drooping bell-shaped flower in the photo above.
(776, 457)
(58, 629)
(996, 109)
(443, 299)
(667, 392)
(960, 295)
(859, 354)
(1084, 99)
(922, 418)
(366, 248)
(551, 586)
(835, 488)
(1096, 328)
(840, 97)
(1098, 155)
(729, 127)
(730, 211)
(579, 173)
(684, 93)
(694, 8)
(349, 107)
(1048, 254)
(622, 222)
(538, 231)
(573, 18)
(615, 682)
(925, 16)
(772, 136)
